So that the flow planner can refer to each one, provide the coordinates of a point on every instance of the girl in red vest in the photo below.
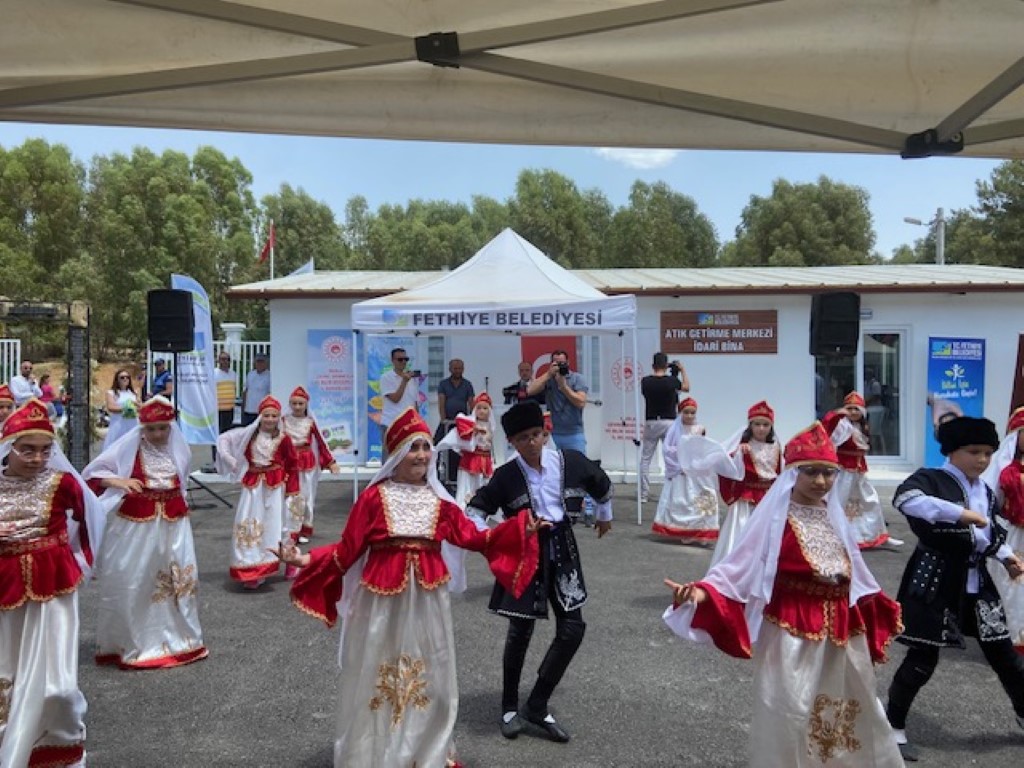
(313, 455)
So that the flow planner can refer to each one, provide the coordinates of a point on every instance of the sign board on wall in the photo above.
(956, 387)
(730, 332)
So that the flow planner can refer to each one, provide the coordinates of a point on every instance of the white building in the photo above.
(901, 308)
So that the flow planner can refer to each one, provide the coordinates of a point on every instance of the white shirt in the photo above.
(546, 488)
(23, 390)
(389, 384)
(257, 387)
(936, 510)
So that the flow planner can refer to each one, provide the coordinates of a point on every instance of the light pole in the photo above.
(939, 223)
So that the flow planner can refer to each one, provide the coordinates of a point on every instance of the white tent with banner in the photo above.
(508, 286)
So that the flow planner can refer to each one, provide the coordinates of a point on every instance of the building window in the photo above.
(437, 364)
(881, 377)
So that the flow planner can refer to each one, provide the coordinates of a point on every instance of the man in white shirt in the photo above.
(24, 386)
(399, 387)
(257, 387)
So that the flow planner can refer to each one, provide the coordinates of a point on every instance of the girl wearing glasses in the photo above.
(848, 428)
(122, 404)
(50, 524)
(796, 596)
(148, 577)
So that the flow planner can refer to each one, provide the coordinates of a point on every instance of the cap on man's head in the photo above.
(160, 362)
(521, 417)
(260, 356)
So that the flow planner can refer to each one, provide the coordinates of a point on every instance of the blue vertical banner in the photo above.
(331, 391)
(195, 393)
(956, 387)
(378, 361)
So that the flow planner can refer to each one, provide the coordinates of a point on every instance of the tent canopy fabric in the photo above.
(917, 77)
(508, 285)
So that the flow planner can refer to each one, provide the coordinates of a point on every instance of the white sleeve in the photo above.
(842, 432)
(932, 509)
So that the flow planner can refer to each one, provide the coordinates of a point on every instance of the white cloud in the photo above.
(644, 159)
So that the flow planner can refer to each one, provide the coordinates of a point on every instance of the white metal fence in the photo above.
(10, 359)
(242, 355)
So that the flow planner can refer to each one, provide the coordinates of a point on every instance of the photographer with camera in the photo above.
(565, 392)
(661, 394)
(400, 388)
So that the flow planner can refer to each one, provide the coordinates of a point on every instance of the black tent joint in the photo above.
(927, 144)
(439, 48)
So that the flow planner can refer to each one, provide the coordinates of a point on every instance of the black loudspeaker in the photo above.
(171, 324)
(835, 324)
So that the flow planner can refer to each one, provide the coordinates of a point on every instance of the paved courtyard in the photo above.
(634, 696)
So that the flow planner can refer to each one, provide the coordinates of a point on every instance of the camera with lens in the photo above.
(563, 369)
(673, 368)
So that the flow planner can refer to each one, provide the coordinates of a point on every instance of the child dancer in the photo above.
(848, 428)
(688, 507)
(761, 460)
(946, 592)
(797, 597)
(1006, 476)
(148, 577)
(313, 456)
(473, 439)
(262, 458)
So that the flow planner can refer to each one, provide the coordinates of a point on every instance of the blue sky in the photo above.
(334, 170)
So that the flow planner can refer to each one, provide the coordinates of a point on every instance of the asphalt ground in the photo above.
(633, 696)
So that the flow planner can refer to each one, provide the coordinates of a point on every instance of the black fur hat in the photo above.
(521, 417)
(966, 430)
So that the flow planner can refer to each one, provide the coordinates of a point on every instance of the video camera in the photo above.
(674, 369)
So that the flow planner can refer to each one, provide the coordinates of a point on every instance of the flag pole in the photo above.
(272, 249)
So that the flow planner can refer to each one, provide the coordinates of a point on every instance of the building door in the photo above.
(881, 383)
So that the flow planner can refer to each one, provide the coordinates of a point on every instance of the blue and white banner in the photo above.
(956, 387)
(378, 361)
(331, 390)
(195, 393)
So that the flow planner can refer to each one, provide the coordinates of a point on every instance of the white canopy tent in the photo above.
(508, 286)
(917, 77)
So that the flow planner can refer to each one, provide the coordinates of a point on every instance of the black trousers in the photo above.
(569, 630)
(919, 664)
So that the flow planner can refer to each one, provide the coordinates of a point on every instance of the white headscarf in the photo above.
(95, 517)
(232, 462)
(118, 460)
(747, 573)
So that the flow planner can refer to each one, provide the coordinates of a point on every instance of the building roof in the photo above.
(904, 278)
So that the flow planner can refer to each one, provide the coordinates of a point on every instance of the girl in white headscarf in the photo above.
(50, 524)
(398, 695)
(795, 595)
(147, 571)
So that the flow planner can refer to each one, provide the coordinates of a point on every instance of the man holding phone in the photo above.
(399, 387)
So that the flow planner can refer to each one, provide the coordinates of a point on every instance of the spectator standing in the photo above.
(24, 386)
(49, 395)
(661, 397)
(226, 383)
(565, 392)
(517, 392)
(257, 387)
(399, 388)
(163, 383)
(455, 393)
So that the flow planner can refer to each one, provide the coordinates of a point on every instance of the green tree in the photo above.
(549, 211)
(661, 228)
(821, 224)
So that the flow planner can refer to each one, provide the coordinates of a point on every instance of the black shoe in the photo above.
(909, 753)
(513, 727)
(551, 728)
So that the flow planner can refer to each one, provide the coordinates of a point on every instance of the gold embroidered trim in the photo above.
(249, 533)
(315, 614)
(837, 734)
(401, 685)
(175, 584)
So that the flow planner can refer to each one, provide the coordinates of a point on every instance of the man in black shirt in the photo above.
(661, 394)
(516, 393)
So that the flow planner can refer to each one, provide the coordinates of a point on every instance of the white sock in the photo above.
(549, 719)
(900, 734)
(507, 717)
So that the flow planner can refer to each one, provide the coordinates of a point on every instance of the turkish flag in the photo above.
(269, 245)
